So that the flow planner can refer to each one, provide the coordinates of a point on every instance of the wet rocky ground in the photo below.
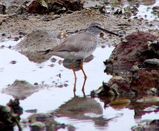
(40, 85)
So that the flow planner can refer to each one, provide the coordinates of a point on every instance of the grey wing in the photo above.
(76, 43)
(70, 44)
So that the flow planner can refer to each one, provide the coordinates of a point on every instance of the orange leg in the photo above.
(81, 67)
(75, 78)
(85, 77)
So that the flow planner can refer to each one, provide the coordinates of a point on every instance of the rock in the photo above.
(10, 115)
(156, 9)
(16, 9)
(36, 42)
(119, 87)
(41, 121)
(142, 82)
(136, 61)
(146, 80)
(149, 125)
(127, 54)
(154, 47)
(37, 126)
(56, 6)
(103, 91)
(120, 103)
(151, 63)
(31, 111)
(36, 7)
(20, 89)
(150, 99)
(40, 117)
(151, 108)
(2, 9)
(148, 2)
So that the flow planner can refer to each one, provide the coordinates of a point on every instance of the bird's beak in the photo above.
(107, 31)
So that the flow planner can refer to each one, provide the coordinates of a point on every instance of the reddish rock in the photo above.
(134, 64)
(134, 50)
(56, 6)
(146, 80)
(36, 7)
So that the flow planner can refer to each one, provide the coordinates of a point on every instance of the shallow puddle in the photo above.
(50, 96)
(146, 12)
(53, 95)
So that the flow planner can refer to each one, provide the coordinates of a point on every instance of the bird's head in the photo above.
(96, 28)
